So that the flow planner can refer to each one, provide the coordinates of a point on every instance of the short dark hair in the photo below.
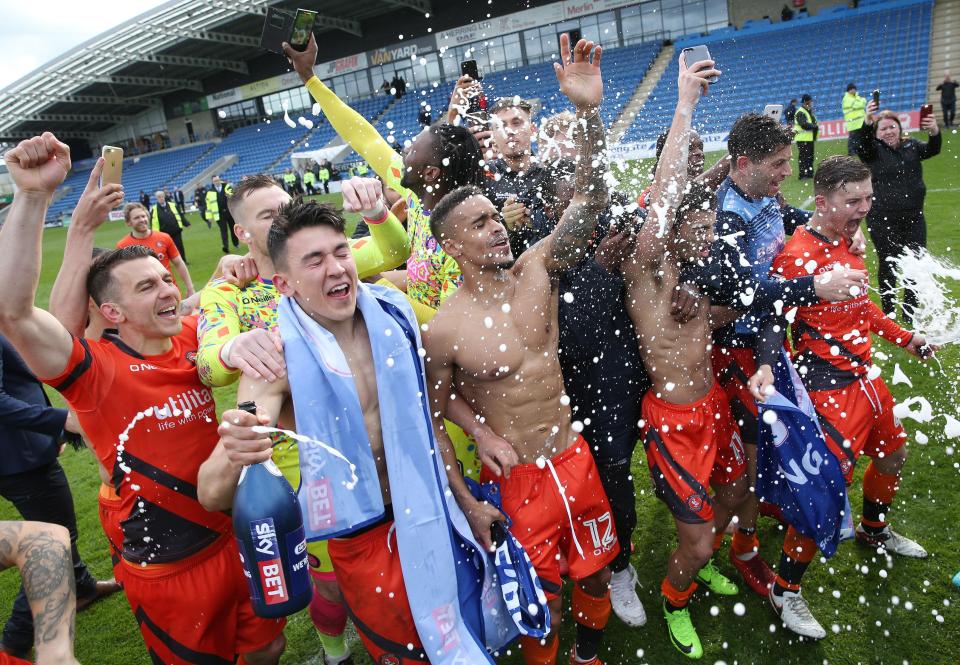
(835, 172)
(294, 216)
(756, 136)
(505, 103)
(246, 186)
(697, 197)
(441, 212)
(100, 278)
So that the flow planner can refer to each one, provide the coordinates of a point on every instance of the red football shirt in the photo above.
(158, 241)
(151, 423)
(832, 339)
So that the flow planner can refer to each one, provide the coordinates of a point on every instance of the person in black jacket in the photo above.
(790, 111)
(948, 99)
(32, 479)
(896, 219)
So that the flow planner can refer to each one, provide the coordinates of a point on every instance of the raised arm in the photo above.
(69, 298)
(183, 274)
(239, 445)
(353, 127)
(388, 245)
(580, 80)
(670, 180)
(37, 166)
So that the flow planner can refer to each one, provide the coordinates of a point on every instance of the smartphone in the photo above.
(469, 67)
(112, 173)
(926, 111)
(498, 533)
(876, 98)
(774, 111)
(302, 29)
(697, 54)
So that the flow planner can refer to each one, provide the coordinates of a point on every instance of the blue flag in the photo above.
(795, 469)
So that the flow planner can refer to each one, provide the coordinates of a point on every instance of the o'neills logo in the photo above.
(187, 401)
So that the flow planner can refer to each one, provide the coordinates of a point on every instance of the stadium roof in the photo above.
(123, 71)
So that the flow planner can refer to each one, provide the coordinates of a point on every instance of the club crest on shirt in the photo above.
(389, 659)
(191, 357)
(695, 502)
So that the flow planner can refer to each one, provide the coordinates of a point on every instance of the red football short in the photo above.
(197, 610)
(577, 522)
(110, 517)
(7, 659)
(858, 420)
(733, 368)
(691, 446)
(371, 581)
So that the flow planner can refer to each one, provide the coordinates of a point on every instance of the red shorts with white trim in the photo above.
(858, 420)
(198, 611)
(577, 522)
(691, 446)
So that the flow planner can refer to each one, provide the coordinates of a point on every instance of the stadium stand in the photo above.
(884, 44)
(881, 45)
(146, 172)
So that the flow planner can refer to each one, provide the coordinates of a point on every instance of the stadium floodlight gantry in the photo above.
(126, 70)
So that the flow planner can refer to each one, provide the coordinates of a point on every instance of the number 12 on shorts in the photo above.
(604, 522)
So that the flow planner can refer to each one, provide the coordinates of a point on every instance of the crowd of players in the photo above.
(562, 324)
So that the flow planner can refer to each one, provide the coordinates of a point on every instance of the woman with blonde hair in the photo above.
(896, 219)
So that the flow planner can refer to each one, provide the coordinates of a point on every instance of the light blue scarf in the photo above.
(453, 593)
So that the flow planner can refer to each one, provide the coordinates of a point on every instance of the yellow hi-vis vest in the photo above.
(324, 174)
(309, 178)
(213, 206)
(854, 111)
(802, 135)
(155, 215)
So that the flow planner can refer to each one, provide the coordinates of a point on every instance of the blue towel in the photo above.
(453, 592)
(795, 468)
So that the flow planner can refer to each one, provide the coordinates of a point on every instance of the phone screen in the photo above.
(302, 27)
(876, 97)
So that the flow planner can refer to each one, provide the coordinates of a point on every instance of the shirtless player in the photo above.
(495, 339)
(690, 436)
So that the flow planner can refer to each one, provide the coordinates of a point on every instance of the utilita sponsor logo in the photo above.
(268, 561)
(189, 400)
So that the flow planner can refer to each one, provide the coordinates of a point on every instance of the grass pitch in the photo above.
(876, 611)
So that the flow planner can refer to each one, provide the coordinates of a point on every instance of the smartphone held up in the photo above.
(699, 53)
(112, 173)
(281, 25)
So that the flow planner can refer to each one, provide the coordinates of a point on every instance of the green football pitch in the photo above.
(875, 610)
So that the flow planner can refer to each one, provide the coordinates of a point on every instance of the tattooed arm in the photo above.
(42, 553)
(581, 82)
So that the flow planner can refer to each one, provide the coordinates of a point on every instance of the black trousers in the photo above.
(617, 480)
(805, 158)
(42, 495)
(891, 231)
(226, 230)
(949, 112)
(178, 241)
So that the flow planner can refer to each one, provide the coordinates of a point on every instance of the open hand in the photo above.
(258, 353)
(579, 74)
(840, 284)
(38, 165)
